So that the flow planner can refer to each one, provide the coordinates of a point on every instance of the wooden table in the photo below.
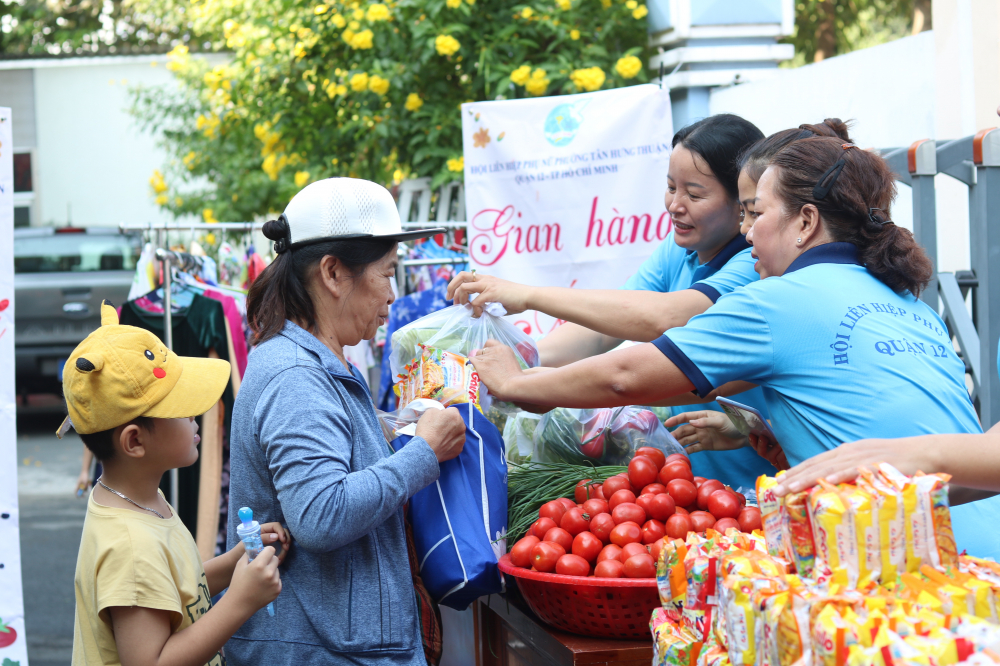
(511, 635)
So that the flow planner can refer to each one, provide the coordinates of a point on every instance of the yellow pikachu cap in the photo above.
(119, 373)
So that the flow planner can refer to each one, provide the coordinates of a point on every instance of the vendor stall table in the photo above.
(511, 635)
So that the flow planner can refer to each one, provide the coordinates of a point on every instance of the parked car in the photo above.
(60, 278)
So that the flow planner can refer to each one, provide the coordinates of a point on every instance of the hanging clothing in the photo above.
(196, 329)
(235, 322)
(255, 266)
(361, 357)
(144, 280)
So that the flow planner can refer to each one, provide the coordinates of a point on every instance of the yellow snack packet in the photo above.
(834, 630)
(772, 517)
(887, 649)
(927, 517)
(798, 533)
(984, 570)
(941, 646)
(738, 618)
(674, 646)
(932, 494)
(915, 538)
(671, 579)
(861, 505)
(766, 592)
(900, 622)
(792, 634)
(713, 654)
(833, 532)
(962, 592)
(982, 595)
(889, 518)
(439, 375)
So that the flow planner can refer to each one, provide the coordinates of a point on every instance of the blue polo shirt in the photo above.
(673, 268)
(840, 357)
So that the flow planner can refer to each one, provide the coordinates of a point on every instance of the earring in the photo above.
(798, 240)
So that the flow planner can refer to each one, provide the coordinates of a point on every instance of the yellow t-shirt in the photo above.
(129, 558)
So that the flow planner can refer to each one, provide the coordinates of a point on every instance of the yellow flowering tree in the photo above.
(311, 89)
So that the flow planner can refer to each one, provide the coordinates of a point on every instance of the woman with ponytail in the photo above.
(833, 332)
(307, 449)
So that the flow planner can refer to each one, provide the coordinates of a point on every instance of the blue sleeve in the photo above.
(308, 443)
(729, 341)
(660, 271)
(738, 272)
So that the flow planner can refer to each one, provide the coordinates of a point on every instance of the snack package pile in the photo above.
(438, 375)
(863, 533)
(878, 583)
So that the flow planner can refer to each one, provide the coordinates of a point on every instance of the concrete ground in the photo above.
(51, 524)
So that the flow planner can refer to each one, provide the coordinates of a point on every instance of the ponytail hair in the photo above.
(853, 205)
(281, 292)
(755, 159)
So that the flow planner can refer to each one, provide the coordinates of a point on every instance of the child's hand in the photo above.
(271, 534)
(257, 583)
(83, 483)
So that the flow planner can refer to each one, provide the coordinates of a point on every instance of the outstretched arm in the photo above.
(570, 343)
(621, 314)
(634, 376)
(973, 461)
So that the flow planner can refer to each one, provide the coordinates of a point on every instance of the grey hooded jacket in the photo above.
(307, 451)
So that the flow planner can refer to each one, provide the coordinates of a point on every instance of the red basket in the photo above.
(605, 607)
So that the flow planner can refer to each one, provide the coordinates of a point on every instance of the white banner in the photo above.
(566, 191)
(13, 646)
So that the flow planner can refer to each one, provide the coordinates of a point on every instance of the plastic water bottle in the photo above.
(249, 534)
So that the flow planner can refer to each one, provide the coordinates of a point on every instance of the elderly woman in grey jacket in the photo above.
(306, 447)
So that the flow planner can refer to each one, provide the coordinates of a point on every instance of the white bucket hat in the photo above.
(341, 209)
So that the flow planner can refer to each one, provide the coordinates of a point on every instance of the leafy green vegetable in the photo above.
(532, 484)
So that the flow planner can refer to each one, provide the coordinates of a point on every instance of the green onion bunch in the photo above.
(532, 484)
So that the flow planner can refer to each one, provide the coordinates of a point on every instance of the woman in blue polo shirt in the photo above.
(833, 332)
(705, 257)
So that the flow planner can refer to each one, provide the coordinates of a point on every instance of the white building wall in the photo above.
(889, 91)
(91, 160)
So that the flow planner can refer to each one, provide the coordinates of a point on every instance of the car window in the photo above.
(76, 252)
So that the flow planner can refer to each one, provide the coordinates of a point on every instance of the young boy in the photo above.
(142, 593)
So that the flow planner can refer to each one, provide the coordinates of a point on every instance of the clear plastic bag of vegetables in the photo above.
(599, 436)
(518, 436)
(455, 329)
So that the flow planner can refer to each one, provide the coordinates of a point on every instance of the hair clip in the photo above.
(826, 181)
(876, 220)
(847, 146)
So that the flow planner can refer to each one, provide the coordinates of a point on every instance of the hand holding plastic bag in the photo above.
(404, 421)
(454, 329)
(599, 436)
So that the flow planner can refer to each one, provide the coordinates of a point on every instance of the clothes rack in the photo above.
(205, 515)
(169, 259)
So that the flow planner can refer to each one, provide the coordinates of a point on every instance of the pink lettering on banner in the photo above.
(500, 233)
(621, 230)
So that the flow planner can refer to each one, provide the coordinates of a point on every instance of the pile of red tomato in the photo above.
(617, 529)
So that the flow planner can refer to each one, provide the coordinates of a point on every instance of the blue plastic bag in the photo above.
(460, 520)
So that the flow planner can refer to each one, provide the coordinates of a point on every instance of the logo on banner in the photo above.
(573, 194)
(563, 122)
